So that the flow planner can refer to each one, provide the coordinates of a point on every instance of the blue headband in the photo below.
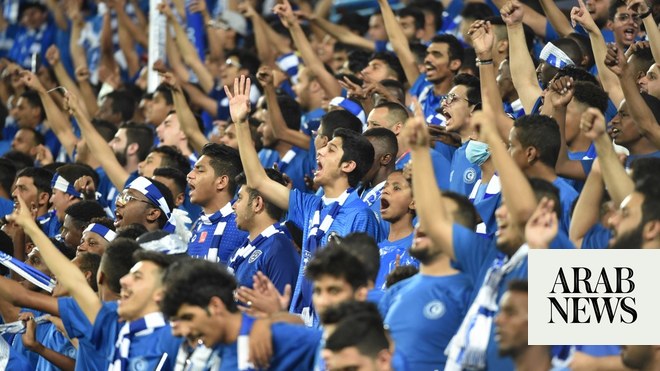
(149, 190)
(63, 185)
(102, 231)
(349, 106)
(555, 57)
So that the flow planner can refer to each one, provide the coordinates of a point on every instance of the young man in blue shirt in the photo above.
(33, 185)
(268, 248)
(341, 164)
(200, 301)
(212, 183)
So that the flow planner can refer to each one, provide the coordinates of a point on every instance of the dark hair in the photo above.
(225, 161)
(117, 261)
(172, 157)
(392, 62)
(336, 313)
(141, 134)
(385, 138)
(584, 43)
(72, 172)
(476, 11)
(83, 212)
(577, 73)
(7, 174)
(337, 119)
(430, 6)
(169, 200)
(416, 13)
(358, 60)
(465, 214)
(543, 188)
(455, 48)
(40, 177)
(590, 94)
(291, 112)
(163, 261)
(176, 175)
(518, 285)
(131, 231)
(614, 6)
(123, 103)
(542, 133)
(473, 88)
(648, 187)
(395, 84)
(360, 329)
(357, 149)
(90, 262)
(399, 274)
(395, 109)
(247, 59)
(33, 99)
(643, 59)
(37, 137)
(571, 48)
(364, 247)
(105, 128)
(354, 21)
(271, 209)
(339, 263)
(166, 92)
(644, 167)
(66, 250)
(19, 159)
(7, 247)
(195, 282)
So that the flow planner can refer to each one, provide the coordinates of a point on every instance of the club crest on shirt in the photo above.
(434, 309)
(469, 176)
(138, 364)
(255, 255)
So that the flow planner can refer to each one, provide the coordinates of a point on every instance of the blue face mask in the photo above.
(477, 152)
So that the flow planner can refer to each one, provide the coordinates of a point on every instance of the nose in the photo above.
(615, 219)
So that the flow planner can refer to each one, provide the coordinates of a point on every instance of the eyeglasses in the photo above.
(624, 17)
(451, 97)
(125, 198)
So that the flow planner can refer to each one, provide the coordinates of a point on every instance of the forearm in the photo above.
(136, 32)
(491, 99)
(280, 129)
(127, 47)
(15, 294)
(523, 72)
(607, 78)
(264, 50)
(654, 36)
(587, 209)
(254, 172)
(556, 18)
(58, 122)
(326, 79)
(343, 35)
(88, 97)
(639, 110)
(618, 183)
(516, 190)
(188, 122)
(57, 359)
(399, 42)
(116, 173)
(77, 52)
(191, 57)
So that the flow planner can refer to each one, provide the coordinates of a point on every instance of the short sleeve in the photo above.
(471, 250)
(74, 319)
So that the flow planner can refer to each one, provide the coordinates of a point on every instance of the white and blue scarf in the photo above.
(28, 272)
(248, 247)
(141, 327)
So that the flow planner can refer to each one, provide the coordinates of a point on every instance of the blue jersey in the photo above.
(388, 252)
(12, 360)
(430, 308)
(20, 350)
(276, 257)
(597, 237)
(426, 97)
(49, 224)
(567, 196)
(463, 172)
(310, 121)
(630, 159)
(216, 236)
(475, 256)
(31, 41)
(56, 341)
(268, 157)
(6, 206)
(145, 352)
(371, 197)
(295, 163)
(561, 241)
(441, 167)
(353, 216)
(78, 326)
(294, 346)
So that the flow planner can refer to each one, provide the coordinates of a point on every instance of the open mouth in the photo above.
(319, 167)
(384, 204)
(630, 33)
(118, 218)
(615, 132)
(429, 67)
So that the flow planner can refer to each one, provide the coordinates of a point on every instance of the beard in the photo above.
(423, 254)
(121, 157)
(629, 240)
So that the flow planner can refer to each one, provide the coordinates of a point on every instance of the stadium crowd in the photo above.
(349, 185)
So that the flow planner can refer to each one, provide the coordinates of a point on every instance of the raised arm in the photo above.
(57, 121)
(77, 53)
(642, 8)
(587, 208)
(17, 295)
(116, 173)
(399, 42)
(265, 51)
(326, 79)
(186, 117)
(641, 113)
(53, 58)
(556, 18)
(344, 35)
(66, 272)
(434, 219)
(281, 130)
(535, 21)
(523, 72)
(482, 40)
(126, 23)
(214, 43)
(617, 181)
(239, 106)
(607, 78)
(187, 50)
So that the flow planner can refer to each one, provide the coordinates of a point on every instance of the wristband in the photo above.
(646, 14)
(480, 62)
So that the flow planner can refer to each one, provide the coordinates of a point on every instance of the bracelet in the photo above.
(646, 13)
(480, 62)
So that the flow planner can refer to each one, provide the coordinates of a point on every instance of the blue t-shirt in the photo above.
(423, 91)
(463, 173)
(567, 196)
(268, 157)
(441, 167)
(78, 326)
(475, 255)
(276, 257)
(597, 237)
(56, 341)
(215, 237)
(49, 224)
(388, 252)
(30, 41)
(429, 308)
(20, 350)
(6, 206)
(145, 352)
(354, 216)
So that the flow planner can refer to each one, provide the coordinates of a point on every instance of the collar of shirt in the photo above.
(218, 215)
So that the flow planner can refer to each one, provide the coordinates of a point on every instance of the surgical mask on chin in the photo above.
(477, 152)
